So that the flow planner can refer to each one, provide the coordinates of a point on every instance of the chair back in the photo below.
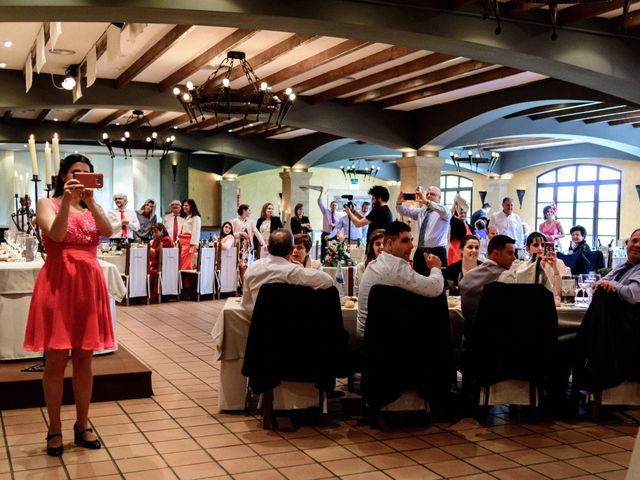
(296, 335)
(583, 262)
(169, 265)
(137, 268)
(206, 266)
(228, 269)
(515, 334)
(406, 346)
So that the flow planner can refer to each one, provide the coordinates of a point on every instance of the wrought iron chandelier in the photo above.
(254, 102)
(475, 157)
(133, 138)
(353, 170)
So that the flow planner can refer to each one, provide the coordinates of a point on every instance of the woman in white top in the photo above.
(268, 223)
(374, 248)
(189, 235)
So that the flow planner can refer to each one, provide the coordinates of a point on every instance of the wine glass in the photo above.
(33, 245)
(584, 284)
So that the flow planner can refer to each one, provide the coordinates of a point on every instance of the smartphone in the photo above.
(409, 196)
(549, 247)
(89, 180)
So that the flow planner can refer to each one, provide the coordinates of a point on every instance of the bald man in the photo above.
(433, 226)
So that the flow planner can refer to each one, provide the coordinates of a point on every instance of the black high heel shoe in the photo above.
(81, 442)
(54, 451)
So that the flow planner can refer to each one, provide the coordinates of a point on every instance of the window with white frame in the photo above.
(587, 195)
(450, 185)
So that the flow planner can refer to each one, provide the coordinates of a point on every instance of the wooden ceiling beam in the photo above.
(584, 11)
(625, 121)
(42, 115)
(620, 116)
(156, 51)
(226, 127)
(201, 60)
(544, 109)
(594, 107)
(630, 23)
(517, 9)
(326, 56)
(110, 118)
(583, 116)
(636, 125)
(257, 128)
(446, 87)
(279, 131)
(172, 123)
(209, 122)
(271, 54)
(79, 115)
(418, 82)
(388, 74)
(145, 119)
(386, 55)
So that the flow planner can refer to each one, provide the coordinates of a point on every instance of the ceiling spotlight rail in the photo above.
(475, 156)
(133, 138)
(353, 170)
(216, 97)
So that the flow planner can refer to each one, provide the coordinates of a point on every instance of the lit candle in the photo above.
(20, 185)
(32, 152)
(16, 188)
(47, 163)
(26, 184)
(56, 154)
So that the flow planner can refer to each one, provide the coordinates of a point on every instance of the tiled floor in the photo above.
(178, 432)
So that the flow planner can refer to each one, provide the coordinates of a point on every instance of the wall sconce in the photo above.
(520, 192)
(483, 195)
(174, 168)
(638, 190)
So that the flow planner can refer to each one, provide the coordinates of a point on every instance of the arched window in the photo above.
(452, 184)
(587, 195)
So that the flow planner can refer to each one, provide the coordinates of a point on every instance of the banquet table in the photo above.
(118, 260)
(16, 285)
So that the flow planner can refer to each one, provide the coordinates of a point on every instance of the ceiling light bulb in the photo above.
(127, 135)
(292, 97)
(263, 86)
(288, 91)
(154, 135)
(186, 97)
(176, 91)
(55, 119)
(148, 139)
(230, 130)
(175, 127)
(122, 139)
(173, 138)
(69, 83)
(225, 82)
(469, 152)
(3, 65)
(190, 85)
(8, 43)
(105, 136)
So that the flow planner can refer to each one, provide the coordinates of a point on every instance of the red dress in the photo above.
(70, 302)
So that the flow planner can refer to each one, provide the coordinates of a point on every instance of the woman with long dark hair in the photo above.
(70, 303)
(268, 222)
(300, 222)
(189, 235)
(227, 239)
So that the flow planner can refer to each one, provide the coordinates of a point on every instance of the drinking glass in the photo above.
(568, 288)
(33, 244)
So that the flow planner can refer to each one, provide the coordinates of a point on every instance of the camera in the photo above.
(349, 203)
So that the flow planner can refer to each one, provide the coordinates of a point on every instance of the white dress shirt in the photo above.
(167, 221)
(192, 225)
(314, 264)
(390, 270)
(327, 216)
(437, 233)
(509, 225)
(274, 269)
(116, 223)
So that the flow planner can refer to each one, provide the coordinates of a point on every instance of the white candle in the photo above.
(32, 152)
(56, 154)
(26, 184)
(16, 188)
(47, 163)
(20, 185)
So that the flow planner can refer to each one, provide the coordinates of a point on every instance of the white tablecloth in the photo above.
(230, 334)
(118, 260)
(16, 284)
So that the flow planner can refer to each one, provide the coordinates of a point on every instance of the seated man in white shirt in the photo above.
(123, 221)
(392, 268)
(300, 254)
(278, 268)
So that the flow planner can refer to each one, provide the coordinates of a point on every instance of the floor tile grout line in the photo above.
(6, 445)
(46, 421)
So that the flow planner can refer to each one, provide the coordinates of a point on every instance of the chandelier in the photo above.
(353, 170)
(133, 138)
(216, 97)
(475, 157)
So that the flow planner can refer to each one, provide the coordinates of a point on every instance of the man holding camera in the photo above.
(433, 224)
(380, 215)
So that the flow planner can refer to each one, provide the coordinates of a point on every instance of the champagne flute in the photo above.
(583, 283)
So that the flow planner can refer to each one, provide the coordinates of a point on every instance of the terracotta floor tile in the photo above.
(616, 475)
(368, 448)
(389, 460)
(156, 474)
(407, 443)
(199, 470)
(316, 441)
(429, 455)
(157, 425)
(119, 429)
(442, 439)
(597, 447)
(186, 458)
(477, 476)
(261, 475)
(122, 440)
(594, 464)
(165, 435)
(287, 459)
(557, 470)
(54, 473)
(173, 446)
(415, 472)
(528, 457)
(271, 447)
(563, 452)
(258, 436)
(368, 476)
(625, 442)
(226, 453)
(489, 463)
(243, 465)
(465, 450)
(92, 470)
(223, 440)
(84, 455)
(329, 453)
(520, 473)
(306, 472)
(453, 468)
(128, 465)
(132, 451)
(348, 466)
(501, 445)
(621, 458)
(536, 441)
(148, 416)
(34, 462)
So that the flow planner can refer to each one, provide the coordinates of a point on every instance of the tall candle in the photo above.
(47, 163)
(32, 152)
(26, 184)
(16, 188)
(20, 185)
(56, 154)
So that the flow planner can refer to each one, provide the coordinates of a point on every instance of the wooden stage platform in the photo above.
(116, 376)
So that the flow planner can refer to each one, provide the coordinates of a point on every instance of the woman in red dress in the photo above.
(70, 303)
(160, 238)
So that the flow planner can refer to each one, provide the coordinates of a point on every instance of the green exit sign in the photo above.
(355, 181)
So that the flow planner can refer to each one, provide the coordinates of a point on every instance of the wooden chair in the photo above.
(136, 273)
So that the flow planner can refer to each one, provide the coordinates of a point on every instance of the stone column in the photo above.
(292, 194)
(497, 189)
(228, 198)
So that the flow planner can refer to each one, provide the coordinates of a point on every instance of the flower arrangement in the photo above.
(338, 253)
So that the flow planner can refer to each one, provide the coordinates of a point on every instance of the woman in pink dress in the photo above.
(551, 228)
(70, 303)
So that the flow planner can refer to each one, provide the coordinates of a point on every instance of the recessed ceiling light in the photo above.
(3, 65)
(25, 145)
(117, 123)
(55, 119)
(175, 127)
(62, 51)
(7, 43)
